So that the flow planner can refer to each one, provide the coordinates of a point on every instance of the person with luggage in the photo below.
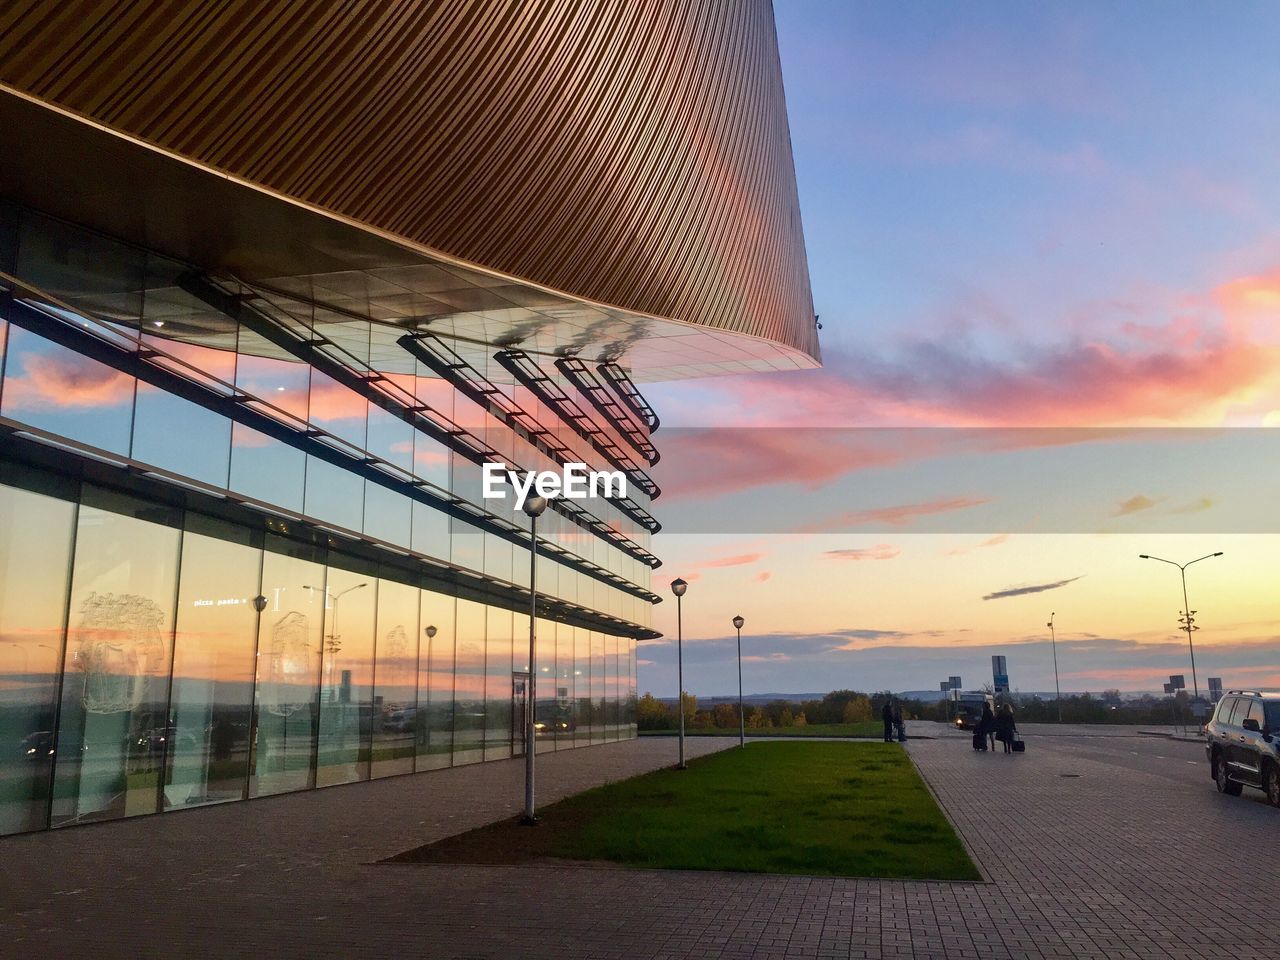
(987, 727)
(886, 714)
(898, 724)
(1006, 729)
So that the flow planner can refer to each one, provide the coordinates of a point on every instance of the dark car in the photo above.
(1243, 743)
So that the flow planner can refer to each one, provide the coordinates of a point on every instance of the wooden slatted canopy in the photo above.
(631, 153)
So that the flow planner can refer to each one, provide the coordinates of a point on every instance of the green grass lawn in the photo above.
(833, 809)
(870, 728)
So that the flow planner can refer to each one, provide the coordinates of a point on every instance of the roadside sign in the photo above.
(1178, 681)
(955, 683)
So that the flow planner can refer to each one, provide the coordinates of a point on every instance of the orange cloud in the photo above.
(66, 381)
(1134, 504)
(989, 542)
(736, 561)
(763, 575)
(896, 516)
(881, 551)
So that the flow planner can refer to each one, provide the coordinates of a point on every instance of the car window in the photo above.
(1225, 708)
(1255, 713)
(1273, 715)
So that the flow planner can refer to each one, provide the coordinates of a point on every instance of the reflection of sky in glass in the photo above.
(56, 389)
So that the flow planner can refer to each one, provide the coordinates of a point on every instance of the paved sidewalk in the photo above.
(1107, 862)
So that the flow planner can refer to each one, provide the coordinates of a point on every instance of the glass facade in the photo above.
(309, 602)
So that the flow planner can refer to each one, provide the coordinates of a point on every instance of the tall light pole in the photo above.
(1053, 639)
(742, 717)
(333, 639)
(678, 587)
(533, 507)
(1188, 615)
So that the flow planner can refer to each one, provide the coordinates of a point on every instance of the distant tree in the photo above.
(725, 716)
(785, 718)
(690, 704)
(756, 719)
(856, 709)
(652, 714)
(800, 720)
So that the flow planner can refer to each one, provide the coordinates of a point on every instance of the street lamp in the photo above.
(533, 508)
(1053, 638)
(678, 587)
(742, 721)
(1188, 615)
(333, 639)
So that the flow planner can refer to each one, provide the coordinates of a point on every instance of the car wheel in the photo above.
(1271, 783)
(1225, 784)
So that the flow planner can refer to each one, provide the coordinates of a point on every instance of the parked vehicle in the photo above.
(1243, 743)
(969, 709)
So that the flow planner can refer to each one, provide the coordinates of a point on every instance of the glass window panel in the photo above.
(334, 495)
(338, 409)
(387, 514)
(180, 436)
(598, 688)
(564, 685)
(56, 389)
(582, 685)
(395, 695)
(612, 686)
(346, 688)
(266, 469)
(211, 706)
(549, 722)
(35, 554)
(113, 719)
(430, 531)
(390, 438)
(288, 668)
(435, 681)
(498, 684)
(282, 383)
(497, 557)
(469, 684)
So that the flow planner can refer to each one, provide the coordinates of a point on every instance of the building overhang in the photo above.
(86, 173)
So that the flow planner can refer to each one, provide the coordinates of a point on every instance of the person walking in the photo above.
(1006, 728)
(898, 725)
(987, 725)
(886, 715)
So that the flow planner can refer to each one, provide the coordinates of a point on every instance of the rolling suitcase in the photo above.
(979, 740)
(1019, 745)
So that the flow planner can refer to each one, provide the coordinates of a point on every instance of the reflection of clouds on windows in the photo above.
(66, 381)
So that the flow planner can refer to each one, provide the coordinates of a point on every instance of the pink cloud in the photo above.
(763, 575)
(66, 381)
(735, 561)
(1135, 504)
(989, 542)
(900, 515)
(881, 551)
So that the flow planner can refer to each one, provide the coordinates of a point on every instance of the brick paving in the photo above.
(1110, 863)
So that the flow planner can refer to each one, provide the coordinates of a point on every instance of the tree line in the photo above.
(852, 706)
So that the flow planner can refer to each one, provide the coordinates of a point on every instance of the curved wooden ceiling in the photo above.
(633, 153)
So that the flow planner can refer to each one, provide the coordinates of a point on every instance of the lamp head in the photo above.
(259, 603)
(533, 506)
(679, 586)
(738, 622)
(1143, 556)
(431, 632)
(1218, 554)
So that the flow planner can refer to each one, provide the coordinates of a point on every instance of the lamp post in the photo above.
(678, 587)
(1053, 639)
(1188, 615)
(742, 717)
(533, 508)
(333, 639)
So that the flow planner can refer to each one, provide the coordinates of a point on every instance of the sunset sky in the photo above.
(1050, 233)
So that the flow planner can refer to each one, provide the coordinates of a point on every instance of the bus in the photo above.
(968, 708)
